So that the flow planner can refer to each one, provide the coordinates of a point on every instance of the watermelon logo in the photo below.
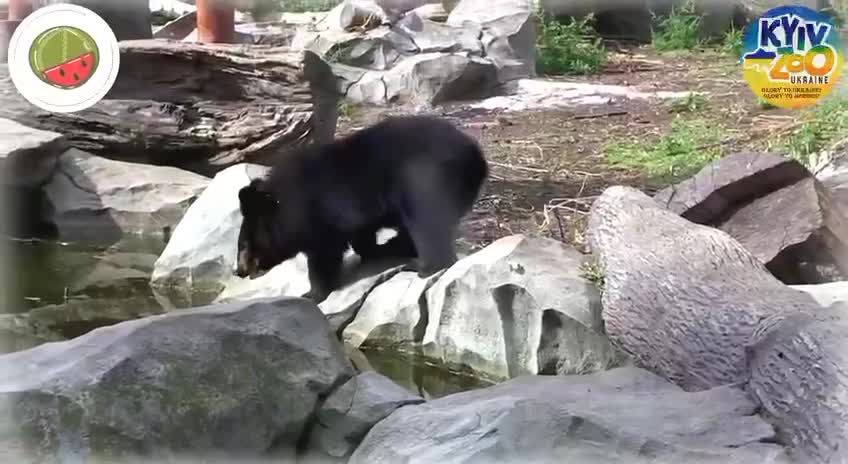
(64, 57)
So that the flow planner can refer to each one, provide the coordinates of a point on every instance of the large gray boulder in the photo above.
(423, 79)
(225, 382)
(350, 412)
(28, 159)
(94, 197)
(683, 299)
(28, 156)
(508, 33)
(775, 208)
(625, 415)
(799, 373)
(519, 306)
(203, 247)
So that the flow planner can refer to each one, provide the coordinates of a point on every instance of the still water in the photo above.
(68, 289)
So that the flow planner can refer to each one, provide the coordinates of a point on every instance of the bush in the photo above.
(568, 47)
(680, 30)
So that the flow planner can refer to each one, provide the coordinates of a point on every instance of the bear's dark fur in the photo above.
(417, 174)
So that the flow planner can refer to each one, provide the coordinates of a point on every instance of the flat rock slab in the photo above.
(775, 208)
(536, 94)
(624, 415)
(223, 381)
(826, 294)
(27, 155)
(98, 198)
(685, 300)
(200, 107)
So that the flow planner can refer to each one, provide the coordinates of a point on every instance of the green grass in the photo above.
(691, 103)
(731, 44)
(822, 126)
(688, 146)
(569, 47)
(263, 9)
(591, 271)
(680, 30)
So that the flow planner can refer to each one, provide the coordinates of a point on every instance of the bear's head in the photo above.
(261, 242)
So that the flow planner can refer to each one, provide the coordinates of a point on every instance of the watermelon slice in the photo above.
(71, 73)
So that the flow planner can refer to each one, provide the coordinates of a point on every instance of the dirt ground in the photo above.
(547, 166)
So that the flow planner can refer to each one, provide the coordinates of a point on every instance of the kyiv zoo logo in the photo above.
(792, 56)
(63, 58)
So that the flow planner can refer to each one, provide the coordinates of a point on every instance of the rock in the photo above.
(28, 156)
(509, 33)
(395, 9)
(351, 411)
(290, 278)
(203, 247)
(226, 382)
(427, 79)
(28, 159)
(536, 94)
(93, 197)
(391, 315)
(18, 333)
(799, 373)
(625, 415)
(430, 36)
(79, 316)
(129, 19)
(355, 14)
(115, 270)
(223, 104)
(826, 294)
(432, 11)
(380, 49)
(342, 305)
(519, 306)
(683, 299)
(775, 208)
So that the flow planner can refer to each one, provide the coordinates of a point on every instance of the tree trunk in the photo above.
(198, 107)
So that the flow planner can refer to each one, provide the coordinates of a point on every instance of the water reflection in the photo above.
(63, 290)
(414, 374)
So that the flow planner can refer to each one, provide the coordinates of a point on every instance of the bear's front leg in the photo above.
(324, 272)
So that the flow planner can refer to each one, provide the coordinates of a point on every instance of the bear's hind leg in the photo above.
(432, 230)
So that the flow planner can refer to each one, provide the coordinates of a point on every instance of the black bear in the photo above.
(417, 174)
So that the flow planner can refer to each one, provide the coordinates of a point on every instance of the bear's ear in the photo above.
(253, 201)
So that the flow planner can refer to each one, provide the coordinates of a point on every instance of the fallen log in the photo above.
(199, 107)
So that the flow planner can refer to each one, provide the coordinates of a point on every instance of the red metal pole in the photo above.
(215, 21)
(19, 9)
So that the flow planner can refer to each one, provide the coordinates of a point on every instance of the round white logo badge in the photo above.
(63, 58)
